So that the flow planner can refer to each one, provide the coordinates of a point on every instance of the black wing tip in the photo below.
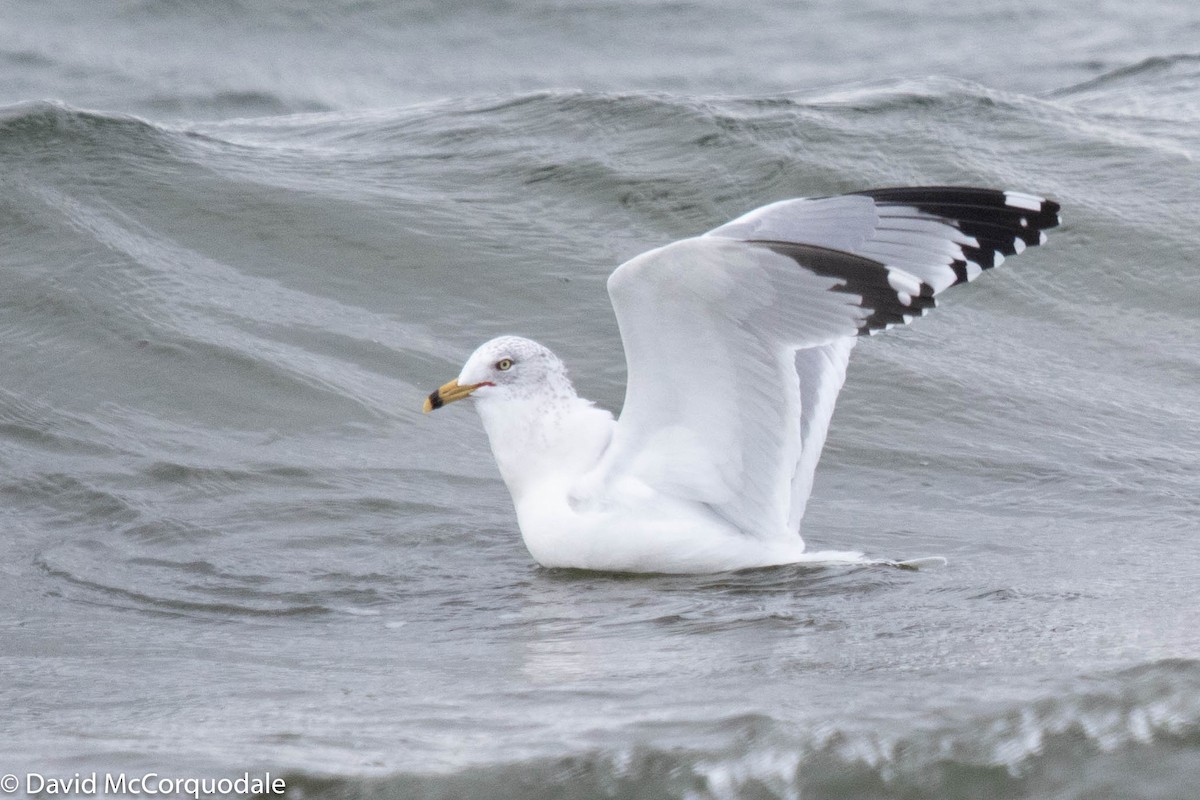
(1003, 223)
(1039, 212)
(894, 312)
(891, 297)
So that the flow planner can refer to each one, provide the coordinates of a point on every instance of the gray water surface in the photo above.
(239, 245)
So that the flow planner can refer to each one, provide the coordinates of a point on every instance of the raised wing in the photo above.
(711, 327)
(737, 342)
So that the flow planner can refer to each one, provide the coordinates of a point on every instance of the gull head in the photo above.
(508, 368)
(540, 431)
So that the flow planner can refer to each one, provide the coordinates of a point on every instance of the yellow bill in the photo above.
(449, 393)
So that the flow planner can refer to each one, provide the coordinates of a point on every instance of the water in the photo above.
(240, 243)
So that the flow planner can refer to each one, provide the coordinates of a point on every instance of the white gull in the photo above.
(737, 343)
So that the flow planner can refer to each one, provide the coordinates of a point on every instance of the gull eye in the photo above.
(504, 364)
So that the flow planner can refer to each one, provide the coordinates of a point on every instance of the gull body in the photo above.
(737, 344)
(550, 447)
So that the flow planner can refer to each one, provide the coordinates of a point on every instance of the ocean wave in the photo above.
(1154, 68)
(49, 123)
(1135, 735)
(1164, 87)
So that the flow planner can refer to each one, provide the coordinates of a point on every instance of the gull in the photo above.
(736, 343)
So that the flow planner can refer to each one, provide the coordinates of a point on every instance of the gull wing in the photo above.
(737, 341)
